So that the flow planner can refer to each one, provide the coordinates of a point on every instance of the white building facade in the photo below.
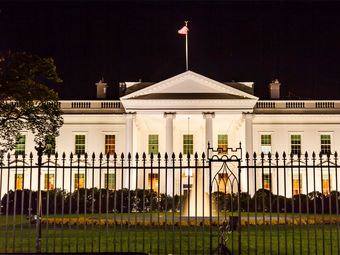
(186, 112)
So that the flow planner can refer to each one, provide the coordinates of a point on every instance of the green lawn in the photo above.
(167, 240)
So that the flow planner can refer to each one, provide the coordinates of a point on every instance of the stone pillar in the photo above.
(208, 116)
(129, 149)
(169, 148)
(248, 117)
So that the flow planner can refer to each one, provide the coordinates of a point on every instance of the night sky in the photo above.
(296, 42)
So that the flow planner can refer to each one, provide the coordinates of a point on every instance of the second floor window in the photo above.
(110, 144)
(80, 144)
(266, 144)
(295, 142)
(325, 144)
(222, 144)
(153, 144)
(50, 145)
(20, 144)
(188, 144)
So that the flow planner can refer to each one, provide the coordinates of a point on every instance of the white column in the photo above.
(169, 148)
(208, 116)
(248, 117)
(129, 149)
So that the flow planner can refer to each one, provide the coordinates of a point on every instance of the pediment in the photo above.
(188, 85)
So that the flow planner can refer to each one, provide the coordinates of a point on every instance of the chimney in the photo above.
(274, 89)
(101, 89)
(122, 89)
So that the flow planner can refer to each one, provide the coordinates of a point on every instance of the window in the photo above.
(325, 144)
(80, 144)
(153, 144)
(297, 184)
(19, 181)
(222, 182)
(326, 185)
(188, 144)
(153, 182)
(266, 144)
(222, 141)
(110, 144)
(49, 181)
(109, 181)
(20, 144)
(79, 181)
(267, 181)
(295, 141)
(50, 144)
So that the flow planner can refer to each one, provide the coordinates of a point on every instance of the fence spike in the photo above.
(173, 155)
(101, 156)
(159, 156)
(335, 154)
(320, 155)
(313, 155)
(122, 156)
(31, 155)
(276, 155)
(8, 155)
(151, 156)
(284, 155)
(93, 155)
(203, 155)
(262, 155)
(16, 155)
(328, 155)
(86, 155)
(71, 155)
(137, 156)
(166, 156)
(64, 155)
(129, 156)
(115, 156)
(188, 155)
(306, 154)
(247, 155)
(180, 155)
(196, 155)
(78, 155)
(56, 155)
(254, 155)
(144, 156)
(291, 155)
(269, 155)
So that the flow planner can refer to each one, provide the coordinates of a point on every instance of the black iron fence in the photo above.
(217, 203)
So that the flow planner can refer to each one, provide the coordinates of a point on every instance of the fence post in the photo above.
(40, 149)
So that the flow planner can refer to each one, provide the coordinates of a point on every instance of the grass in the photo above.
(284, 239)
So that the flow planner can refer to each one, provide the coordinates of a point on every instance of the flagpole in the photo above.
(186, 48)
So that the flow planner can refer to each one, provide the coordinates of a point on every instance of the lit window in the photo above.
(109, 181)
(80, 144)
(110, 144)
(326, 185)
(267, 181)
(188, 144)
(295, 141)
(153, 182)
(297, 184)
(49, 181)
(266, 144)
(19, 181)
(222, 182)
(20, 144)
(50, 144)
(153, 144)
(222, 144)
(325, 144)
(79, 181)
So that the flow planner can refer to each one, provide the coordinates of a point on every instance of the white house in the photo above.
(186, 112)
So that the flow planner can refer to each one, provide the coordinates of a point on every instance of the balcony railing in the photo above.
(297, 105)
(90, 105)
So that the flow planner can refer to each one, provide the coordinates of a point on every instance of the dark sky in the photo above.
(296, 42)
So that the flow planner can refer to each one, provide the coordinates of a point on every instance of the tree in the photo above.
(26, 101)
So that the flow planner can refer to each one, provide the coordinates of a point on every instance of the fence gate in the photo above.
(224, 190)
